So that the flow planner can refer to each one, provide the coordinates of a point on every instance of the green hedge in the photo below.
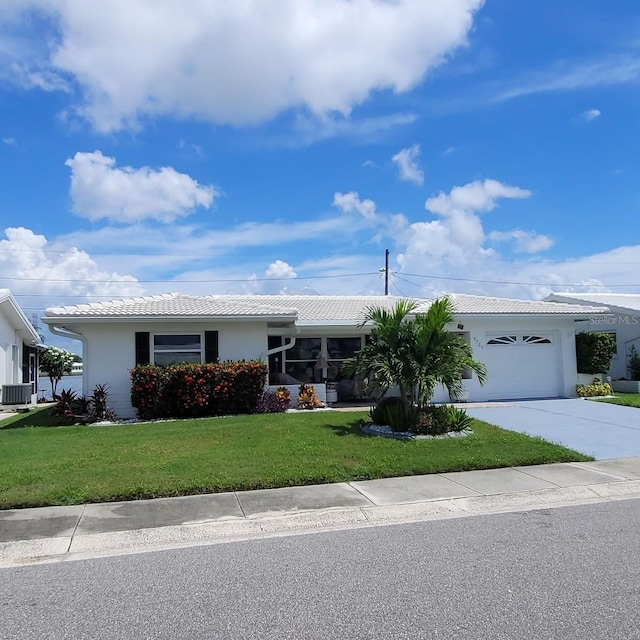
(196, 390)
(594, 352)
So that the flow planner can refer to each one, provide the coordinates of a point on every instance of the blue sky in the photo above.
(225, 147)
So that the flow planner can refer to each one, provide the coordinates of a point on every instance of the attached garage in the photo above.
(523, 365)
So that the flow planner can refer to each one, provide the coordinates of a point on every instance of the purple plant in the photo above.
(270, 402)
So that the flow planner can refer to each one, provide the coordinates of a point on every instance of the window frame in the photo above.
(200, 351)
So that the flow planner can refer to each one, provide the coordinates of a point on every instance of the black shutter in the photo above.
(143, 352)
(25, 363)
(211, 346)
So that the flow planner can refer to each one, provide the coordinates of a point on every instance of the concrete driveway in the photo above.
(598, 429)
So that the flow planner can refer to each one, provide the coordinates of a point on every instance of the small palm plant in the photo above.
(415, 352)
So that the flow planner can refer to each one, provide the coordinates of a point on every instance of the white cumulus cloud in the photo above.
(480, 195)
(524, 241)
(280, 270)
(407, 163)
(239, 62)
(350, 202)
(100, 189)
(31, 264)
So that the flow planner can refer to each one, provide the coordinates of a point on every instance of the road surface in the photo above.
(570, 572)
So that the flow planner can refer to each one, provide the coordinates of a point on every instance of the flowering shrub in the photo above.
(307, 398)
(55, 363)
(277, 401)
(195, 390)
(596, 388)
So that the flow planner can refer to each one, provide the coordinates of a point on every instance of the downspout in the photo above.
(283, 347)
(279, 349)
(67, 333)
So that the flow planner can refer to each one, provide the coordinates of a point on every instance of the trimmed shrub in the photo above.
(594, 352)
(196, 390)
(596, 388)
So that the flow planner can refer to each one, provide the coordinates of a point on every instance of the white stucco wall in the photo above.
(9, 369)
(109, 352)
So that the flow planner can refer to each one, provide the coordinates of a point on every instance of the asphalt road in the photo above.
(563, 573)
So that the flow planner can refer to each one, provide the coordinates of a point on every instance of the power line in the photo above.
(541, 284)
(415, 284)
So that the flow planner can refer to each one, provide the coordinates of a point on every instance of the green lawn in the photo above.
(627, 399)
(44, 465)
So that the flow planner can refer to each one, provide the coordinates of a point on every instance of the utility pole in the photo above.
(386, 272)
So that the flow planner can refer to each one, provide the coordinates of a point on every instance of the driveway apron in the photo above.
(595, 428)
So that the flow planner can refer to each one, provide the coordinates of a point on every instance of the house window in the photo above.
(536, 340)
(503, 340)
(338, 350)
(301, 359)
(311, 359)
(175, 348)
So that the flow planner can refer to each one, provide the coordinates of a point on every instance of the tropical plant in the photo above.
(274, 401)
(414, 352)
(65, 405)
(430, 420)
(98, 408)
(55, 363)
(394, 412)
(307, 398)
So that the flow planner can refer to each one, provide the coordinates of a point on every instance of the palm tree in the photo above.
(416, 352)
(385, 360)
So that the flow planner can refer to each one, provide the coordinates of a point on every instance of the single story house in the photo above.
(527, 346)
(18, 354)
(623, 321)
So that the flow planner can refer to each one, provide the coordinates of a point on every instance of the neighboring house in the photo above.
(18, 353)
(528, 346)
(623, 322)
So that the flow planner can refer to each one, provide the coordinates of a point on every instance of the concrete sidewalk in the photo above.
(58, 533)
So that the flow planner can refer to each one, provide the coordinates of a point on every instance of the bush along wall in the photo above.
(594, 352)
(196, 390)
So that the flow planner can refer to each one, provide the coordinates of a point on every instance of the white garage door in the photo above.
(522, 365)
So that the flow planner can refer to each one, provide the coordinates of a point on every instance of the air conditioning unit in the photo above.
(16, 393)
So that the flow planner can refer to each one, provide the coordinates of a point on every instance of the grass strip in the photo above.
(45, 465)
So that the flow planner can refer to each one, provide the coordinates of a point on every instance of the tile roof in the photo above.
(472, 305)
(628, 301)
(173, 305)
(304, 309)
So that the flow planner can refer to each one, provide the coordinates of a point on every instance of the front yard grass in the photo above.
(45, 465)
(627, 399)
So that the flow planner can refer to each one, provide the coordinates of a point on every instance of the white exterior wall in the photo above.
(109, 352)
(563, 330)
(627, 330)
(9, 365)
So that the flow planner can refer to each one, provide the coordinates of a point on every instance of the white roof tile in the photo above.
(627, 301)
(481, 305)
(304, 309)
